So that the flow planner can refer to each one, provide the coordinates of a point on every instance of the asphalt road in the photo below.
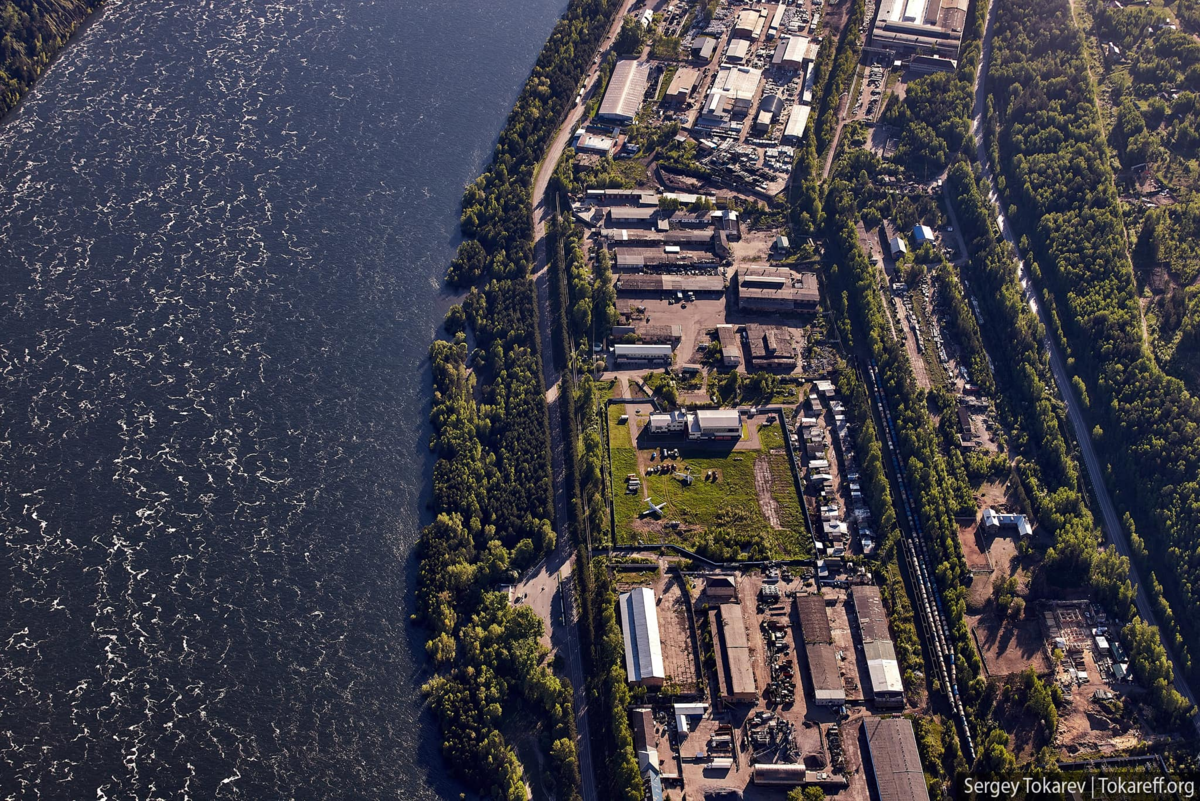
(1110, 521)
(550, 589)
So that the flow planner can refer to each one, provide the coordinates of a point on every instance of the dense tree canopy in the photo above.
(32, 32)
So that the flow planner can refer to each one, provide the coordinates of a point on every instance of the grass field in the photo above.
(731, 502)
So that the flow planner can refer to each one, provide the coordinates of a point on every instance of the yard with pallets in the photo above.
(741, 502)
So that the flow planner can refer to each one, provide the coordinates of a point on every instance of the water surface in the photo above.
(222, 232)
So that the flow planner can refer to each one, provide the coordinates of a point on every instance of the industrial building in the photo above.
(715, 424)
(638, 259)
(721, 588)
(768, 109)
(658, 284)
(706, 424)
(776, 20)
(682, 85)
(887, 687)
(791, 53)
(771, 347)
(659, 334)
(926, 65)
(895, 760)
(925, 27)
(703, 48)
(922, 234)
(750, 23)
(727, 222)
(631, 215)
(702, 240)
(776, 289)
(645, 745)
(735, 673)
(593, 143)
(664, 423)
(643, 354)
(819, 652)
(993, 521)
(797, 123)
(897, 246)
(626, 90)
(731, 346)
(732, 93)
(623, 197)
(643, 648)
(737, 51)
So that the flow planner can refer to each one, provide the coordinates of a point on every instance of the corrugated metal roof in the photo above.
(797, 121)
(896, 762)
(737, 651)
(626, 89)
(639, 625)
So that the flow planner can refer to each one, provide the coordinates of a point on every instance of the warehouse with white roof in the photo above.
(626, 90)
(797, 122)
(887, 687)
(643, 647)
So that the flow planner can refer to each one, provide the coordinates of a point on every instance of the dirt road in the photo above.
(1111, 522)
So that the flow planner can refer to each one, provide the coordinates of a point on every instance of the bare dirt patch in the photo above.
(762, 487)
(679, 658)
(974, 550)
(1008, 646)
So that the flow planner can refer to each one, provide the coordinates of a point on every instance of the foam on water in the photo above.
(222, 229)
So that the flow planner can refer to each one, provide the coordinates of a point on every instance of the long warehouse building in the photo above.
(920, 26)
(887, 686)
(643, 647)
(626, 90)
(895, 760)
(819, 651)
(735, 675)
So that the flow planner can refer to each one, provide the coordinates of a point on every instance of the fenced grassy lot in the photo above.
(742, 499)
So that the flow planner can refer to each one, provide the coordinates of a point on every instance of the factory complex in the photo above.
(777, 713)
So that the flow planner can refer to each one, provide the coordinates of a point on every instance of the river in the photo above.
(223, 228)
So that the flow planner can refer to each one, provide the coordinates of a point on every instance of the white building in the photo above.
(715, 424)
(643, 354)
(797, 122)
(791, 53)
(643, 648)
(898, 247)
(737, 51)
(732, 93)
(994, 520)
(593, 143)
(668, 423)
(626, 90)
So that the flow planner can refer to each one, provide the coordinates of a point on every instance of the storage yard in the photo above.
(754, 724)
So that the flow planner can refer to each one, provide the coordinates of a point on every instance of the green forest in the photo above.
(492, 486)
(32, 33)
(1057, 179)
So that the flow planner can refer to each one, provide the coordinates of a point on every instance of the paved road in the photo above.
(550, 589)
(1111, 523)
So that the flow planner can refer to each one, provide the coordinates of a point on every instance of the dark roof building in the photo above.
(819, 652)
(657, 284)
(895, 760)
(776, 289)
(771, 347)
(736, 679)
(887, 686)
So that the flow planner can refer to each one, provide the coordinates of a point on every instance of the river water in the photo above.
(222, 232)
